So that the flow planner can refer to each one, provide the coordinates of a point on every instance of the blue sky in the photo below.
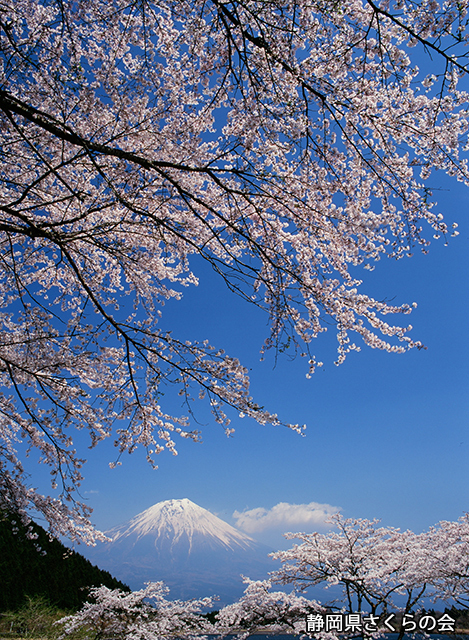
(387, 435)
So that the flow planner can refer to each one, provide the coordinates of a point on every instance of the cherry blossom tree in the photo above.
(148, 615)
(447, 547)
(372, 564)
(381, 569)
(283, 143)
(143, 615)
(262, 610)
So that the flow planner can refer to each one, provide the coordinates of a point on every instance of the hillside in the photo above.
(43, 567)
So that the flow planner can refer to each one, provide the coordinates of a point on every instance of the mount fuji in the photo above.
(195, 553)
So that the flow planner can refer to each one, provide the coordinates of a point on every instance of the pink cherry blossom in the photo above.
(283, 143)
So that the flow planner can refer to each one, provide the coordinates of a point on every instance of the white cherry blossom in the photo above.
(284, 143)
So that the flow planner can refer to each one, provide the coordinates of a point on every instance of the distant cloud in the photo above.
(288, 516)
(91, 491)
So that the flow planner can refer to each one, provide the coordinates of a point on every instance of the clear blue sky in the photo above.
(387, 434)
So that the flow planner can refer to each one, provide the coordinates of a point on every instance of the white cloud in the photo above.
(288, 516)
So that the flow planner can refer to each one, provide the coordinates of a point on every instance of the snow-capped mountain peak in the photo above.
(176, 521)
(187, 547)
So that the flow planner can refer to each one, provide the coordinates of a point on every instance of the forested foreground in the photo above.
(36, 618)
(34, 566)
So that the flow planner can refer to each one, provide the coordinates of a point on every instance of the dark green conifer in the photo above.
(33, 565)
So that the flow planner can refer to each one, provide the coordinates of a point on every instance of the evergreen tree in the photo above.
(34, 565)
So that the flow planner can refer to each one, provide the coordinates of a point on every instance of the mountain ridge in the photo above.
(190, 549)
(178, 518)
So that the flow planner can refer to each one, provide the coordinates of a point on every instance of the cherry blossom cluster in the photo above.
(381, 569)
(148, 615)
(141, 615)
(285, 144)
(260, 610)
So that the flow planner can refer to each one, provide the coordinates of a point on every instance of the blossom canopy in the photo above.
(283, 143)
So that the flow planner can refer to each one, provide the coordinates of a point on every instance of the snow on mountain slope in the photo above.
(195, 553)
(175, 521)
